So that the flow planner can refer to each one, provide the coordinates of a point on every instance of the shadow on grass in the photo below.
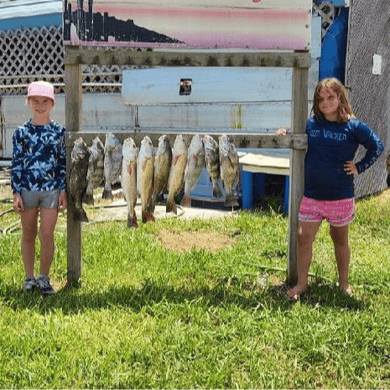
(325, 295)
(152, 295)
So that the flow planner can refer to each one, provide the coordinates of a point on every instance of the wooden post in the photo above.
(299, 115)
(73, 111)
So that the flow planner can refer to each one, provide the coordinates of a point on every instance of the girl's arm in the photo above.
(18, 204)
(17, 162)
(63, 201)
(372, 143)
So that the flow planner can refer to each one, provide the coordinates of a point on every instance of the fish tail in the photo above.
(132, 221)
(147, 216)
(217, 193)
(231, 201)
(107, 193)
(88, 199)
(80, 215)
(171, 206)
(186, 201)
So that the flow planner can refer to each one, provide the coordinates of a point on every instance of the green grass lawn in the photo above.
(148, 317)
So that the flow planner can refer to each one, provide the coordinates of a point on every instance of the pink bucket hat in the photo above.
(41, 88)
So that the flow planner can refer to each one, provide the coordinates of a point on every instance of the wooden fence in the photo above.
(300, 61)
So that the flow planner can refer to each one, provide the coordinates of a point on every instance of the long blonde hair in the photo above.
(344, 110)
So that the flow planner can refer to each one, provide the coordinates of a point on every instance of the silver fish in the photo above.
(176, 175)
(212, 163)
(95, 172)
(112, 164)
(77, 178)
(162, 166)
(228, 159)
(195, 164)
(129, 179)
(145, 171)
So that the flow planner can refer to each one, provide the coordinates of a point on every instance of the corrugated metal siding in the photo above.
(369, 34)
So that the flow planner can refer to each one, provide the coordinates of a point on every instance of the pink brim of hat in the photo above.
(40, 88)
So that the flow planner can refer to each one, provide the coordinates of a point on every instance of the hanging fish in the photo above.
(145, 171)
(162, 166)
(129, 179)
(212, 163)
(112, 164)
(194, 166)
(229, 162)
(77, 178)
(176, 175)
(95, 174)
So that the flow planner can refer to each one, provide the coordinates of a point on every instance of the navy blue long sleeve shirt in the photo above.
(330, 145)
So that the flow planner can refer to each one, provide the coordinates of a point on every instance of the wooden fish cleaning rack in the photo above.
(299, 61)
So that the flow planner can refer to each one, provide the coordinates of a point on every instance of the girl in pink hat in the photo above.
(39, 182)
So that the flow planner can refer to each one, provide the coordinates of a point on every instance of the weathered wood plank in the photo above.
(298, 121)
(73, 112)
(262, 4)
(293, 141)
(205, 85)
(131, 57)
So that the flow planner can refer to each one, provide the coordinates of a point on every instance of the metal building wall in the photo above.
(369, 34)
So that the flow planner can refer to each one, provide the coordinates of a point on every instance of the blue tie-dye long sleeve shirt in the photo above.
(39, 158)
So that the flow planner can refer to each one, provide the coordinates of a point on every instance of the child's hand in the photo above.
(62, 201)
(283, 131)
(350, 168)
(18, 204)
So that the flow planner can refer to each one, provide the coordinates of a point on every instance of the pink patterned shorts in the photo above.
(336, 212)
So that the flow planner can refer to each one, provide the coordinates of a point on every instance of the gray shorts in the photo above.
(40, 199)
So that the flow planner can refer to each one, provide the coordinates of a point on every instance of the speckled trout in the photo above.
(77, 178)
(228, 159)
(95, 174)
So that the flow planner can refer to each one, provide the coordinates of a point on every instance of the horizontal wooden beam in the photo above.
(290, 141)
(85, 55)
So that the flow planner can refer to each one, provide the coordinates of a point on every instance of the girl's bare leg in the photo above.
(29, 232)
(306, 235)
(342, 251)
(46, 230)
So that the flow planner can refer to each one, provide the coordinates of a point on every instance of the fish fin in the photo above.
(80, 216)
(88, 199)
(171, 206)
(231, 201)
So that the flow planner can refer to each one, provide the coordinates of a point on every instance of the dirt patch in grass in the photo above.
(185, 241)
(384, 196)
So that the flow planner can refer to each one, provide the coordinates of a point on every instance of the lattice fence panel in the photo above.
(328, 12)
(38, 54)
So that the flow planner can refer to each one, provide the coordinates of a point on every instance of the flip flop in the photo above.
(294, 293)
